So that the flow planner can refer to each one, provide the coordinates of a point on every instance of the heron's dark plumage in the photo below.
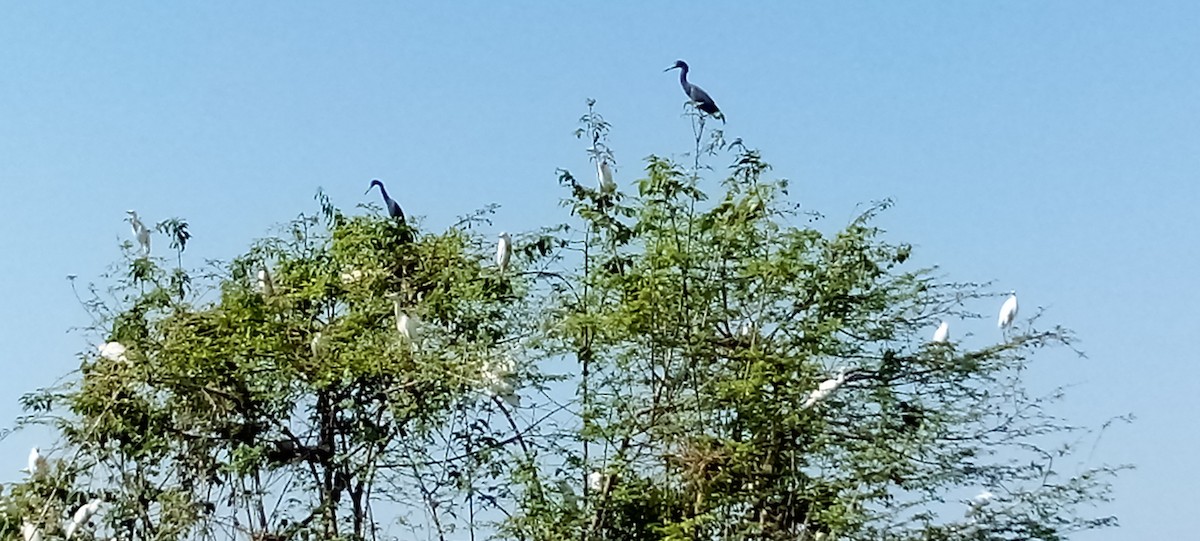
(393, 207)
(703, 101)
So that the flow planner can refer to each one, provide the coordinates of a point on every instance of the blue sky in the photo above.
(1051, 146)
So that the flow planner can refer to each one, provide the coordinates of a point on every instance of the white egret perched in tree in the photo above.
(825, 389)
(942, 333)
(113, 351)
(408, 325)
(30, 532)
(1008, 311)
(139, 232)
(595, 481)
(266, 286)
(605, 175)
(81, 516)
(37, 462)
(499, 380)
(503, 251)
(979, 501)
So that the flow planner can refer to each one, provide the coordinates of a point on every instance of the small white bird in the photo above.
(82, 515)
(113, 351)
(140, 232)
(978, 502)
(1008, 311)
(942, 333)
(266, 286)
(825, 389)
(353, 276)
(30, 532)
(37, 462)
(503, 251)
(595, 481)
(604, 173)
(499, 379)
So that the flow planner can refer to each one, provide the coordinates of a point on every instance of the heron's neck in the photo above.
(683, 77)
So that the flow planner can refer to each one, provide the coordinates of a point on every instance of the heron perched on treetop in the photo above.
(393, 208)
(703, 101)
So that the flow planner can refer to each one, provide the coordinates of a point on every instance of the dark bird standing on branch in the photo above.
(703, 101)
(393, 208)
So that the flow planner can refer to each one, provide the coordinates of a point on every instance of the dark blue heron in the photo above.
(703, 101)
(392, 207)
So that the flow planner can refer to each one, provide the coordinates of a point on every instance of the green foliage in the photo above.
(666, 344)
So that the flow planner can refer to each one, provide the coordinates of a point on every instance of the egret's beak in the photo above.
(671, 68)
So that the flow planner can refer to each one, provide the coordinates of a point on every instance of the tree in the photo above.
(355, 375)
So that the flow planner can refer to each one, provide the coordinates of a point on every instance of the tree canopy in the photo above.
(690, 358)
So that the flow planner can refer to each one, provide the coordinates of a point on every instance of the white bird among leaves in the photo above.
(1008, 311)
(266, 286)
(604, 173)
(140, 232)
(37, 462)
(825, 389)
(82, 515)
(499, 380)
(595, 481)
(503, 251)
(942, 333)
(30, 532)
(113, 351)
(979, 501)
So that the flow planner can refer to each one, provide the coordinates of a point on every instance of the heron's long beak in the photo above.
(671, 68)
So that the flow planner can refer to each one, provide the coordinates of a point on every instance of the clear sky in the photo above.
(1051, 146)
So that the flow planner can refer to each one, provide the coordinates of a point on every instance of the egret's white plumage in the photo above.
(30, 532)
(978, 502)
(37, 462)
(1008, 311)
(81, 516)
(499, 379)
(139, 232)
(595, 481)
(823, 390)
(942, 333)
(113, 351)
(604, 173)
(316, 346)
(266, 286)
(503, 251)
(407, 324)
(353, 276)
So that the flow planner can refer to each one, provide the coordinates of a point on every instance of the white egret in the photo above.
(30, 532)
(1008, 311)
(503, 251)
(942, 333)
(113, 351)
(595, 481)
(37, 462)
(499, 380)
(825, 389)
(604, 173)
(979, 501)
(140, 232)
(316, 346)
(265, 285)
(353, 276)
(407, 324)
(82, 515)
